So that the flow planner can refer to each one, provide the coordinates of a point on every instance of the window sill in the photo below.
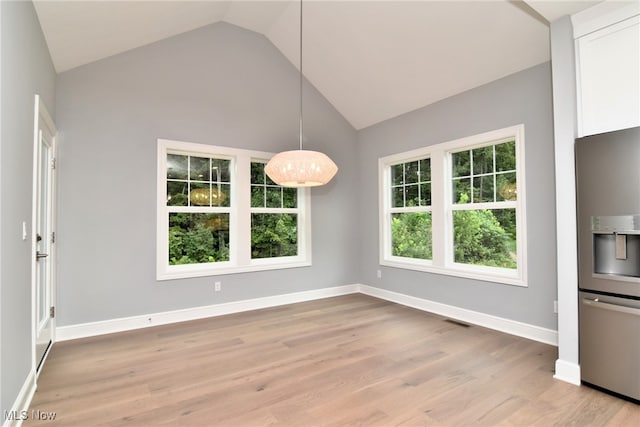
(189, 271)
(485, 274)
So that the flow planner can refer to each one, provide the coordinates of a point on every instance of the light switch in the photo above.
(24, 230)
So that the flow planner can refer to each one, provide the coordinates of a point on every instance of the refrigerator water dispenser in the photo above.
(616, 245)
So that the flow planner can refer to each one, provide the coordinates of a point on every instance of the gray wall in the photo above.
(524, 97)
(219, 85)
(26, 70)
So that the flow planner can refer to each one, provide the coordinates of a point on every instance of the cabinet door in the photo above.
(608, 71)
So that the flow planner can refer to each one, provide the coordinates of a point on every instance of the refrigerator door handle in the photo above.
(611, 307)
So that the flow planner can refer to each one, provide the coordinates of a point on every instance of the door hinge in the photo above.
(53, 237)
(52, 312)
(53, 163)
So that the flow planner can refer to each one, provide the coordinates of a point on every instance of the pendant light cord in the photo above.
(300, 75)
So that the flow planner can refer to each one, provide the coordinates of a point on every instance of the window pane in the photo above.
(177, 193)
(507, 188)
(411, 235)
(274, 235)
(257, 173)
(196, 238)
(199, 169)
(487, 188)
(483, 160)
(289, 198)
(220, 170)
(485, 237)
(257, 196)
(200, 194)
(274, 197)
(397, 197)
(412, 198)
(411, 172)
(483, 189)
(506, 156)
(176, 166)
(425, 170)
(462, 190)
(221, 195)
(397, 174)
(425, 194)
(461, 164)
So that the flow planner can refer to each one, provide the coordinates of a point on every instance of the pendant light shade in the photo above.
(301, 168)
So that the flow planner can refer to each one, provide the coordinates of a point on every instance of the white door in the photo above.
(44, 235)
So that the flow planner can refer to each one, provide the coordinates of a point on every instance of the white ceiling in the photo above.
(373, 60)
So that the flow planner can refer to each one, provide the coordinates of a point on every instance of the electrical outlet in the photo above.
(217, 286)
(379, 274)
(555, 306)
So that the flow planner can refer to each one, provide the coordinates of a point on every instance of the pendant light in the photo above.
(301, 168)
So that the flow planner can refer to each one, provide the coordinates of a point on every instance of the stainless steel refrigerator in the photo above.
(608, 197)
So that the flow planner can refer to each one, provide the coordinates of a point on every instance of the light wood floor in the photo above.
(351, 360)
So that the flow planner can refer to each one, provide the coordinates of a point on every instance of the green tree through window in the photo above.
(219, 213)
(411, 209)
(457, 208)
(485, 175)
(196, 185)
(480, 238)
(274, 220)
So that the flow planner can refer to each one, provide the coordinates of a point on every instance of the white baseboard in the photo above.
(567, 372)
(512, 327)
(19, 410)
(83, 330)
(536, 333)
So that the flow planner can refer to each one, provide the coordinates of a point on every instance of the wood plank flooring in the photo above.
(349, 360)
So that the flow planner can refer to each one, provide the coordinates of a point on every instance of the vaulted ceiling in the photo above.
(373, 60)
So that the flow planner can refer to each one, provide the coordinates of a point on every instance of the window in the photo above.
(411, 209)
(484, 196)
(219, 213)
(198, 200)
(274, 216)
(457, 208)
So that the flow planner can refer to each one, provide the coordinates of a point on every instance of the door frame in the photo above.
(42, 120)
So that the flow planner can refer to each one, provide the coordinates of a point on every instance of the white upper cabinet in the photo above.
(607, 38)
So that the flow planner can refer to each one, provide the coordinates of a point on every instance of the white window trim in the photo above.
(239, 214)
(442, 210)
